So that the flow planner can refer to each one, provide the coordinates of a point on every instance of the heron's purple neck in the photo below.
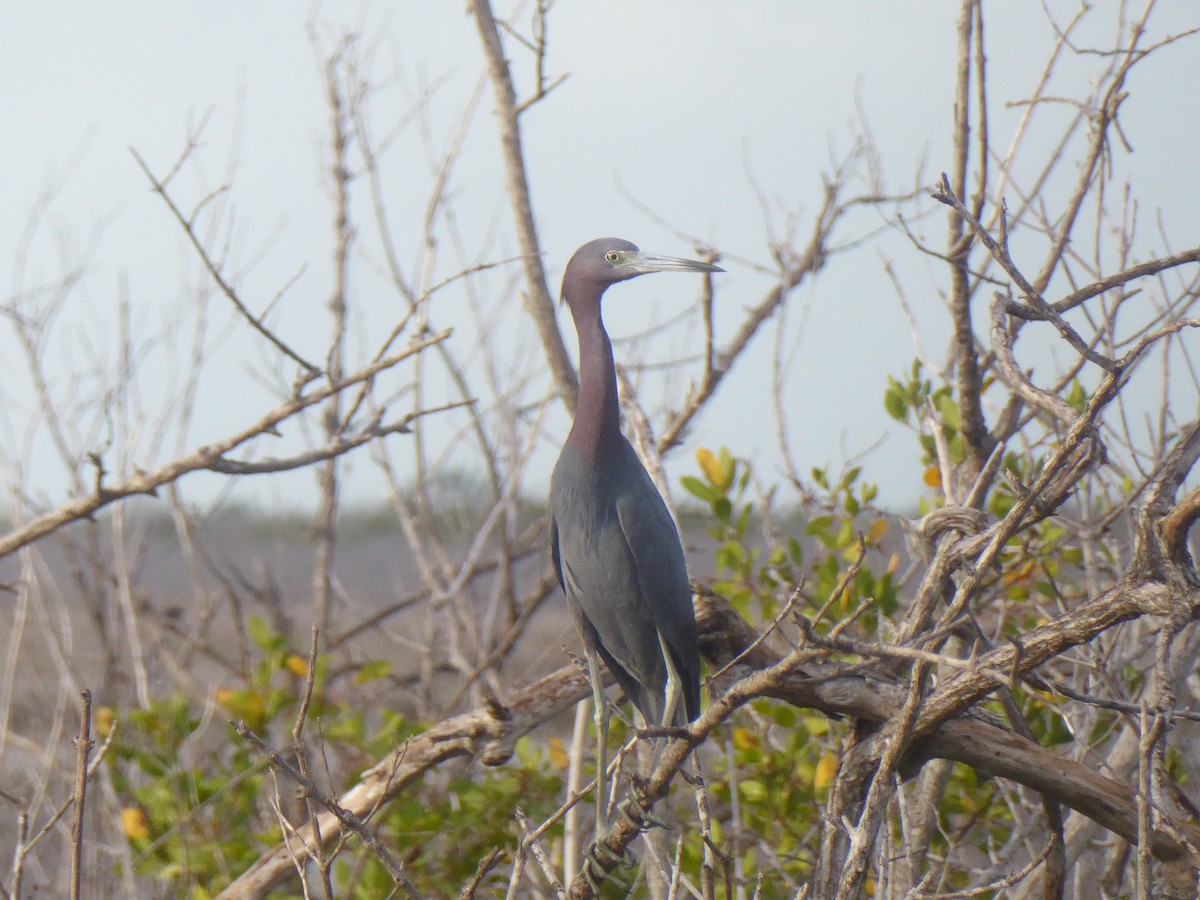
(597, 423)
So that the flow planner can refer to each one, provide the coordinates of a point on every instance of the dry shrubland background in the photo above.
(992, 693)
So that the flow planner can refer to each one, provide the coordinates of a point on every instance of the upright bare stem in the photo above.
(538, 302)
(83, 749)
(327, 472)
(960, 240)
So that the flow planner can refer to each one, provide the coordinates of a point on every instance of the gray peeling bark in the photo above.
(538, 302)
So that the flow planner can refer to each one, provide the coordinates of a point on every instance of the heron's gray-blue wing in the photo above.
(555, 557)
(599, 575)
(654, 542)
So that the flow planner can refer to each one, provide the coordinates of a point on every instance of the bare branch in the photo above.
(537, 299)
(207, 457)
(160, 188)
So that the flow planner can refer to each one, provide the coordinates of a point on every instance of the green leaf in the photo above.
(753, 791)
(725, 458)
(818, 525)
(731, 556)
(958, 451)
(1077, 397)
(744, 519)
(373, 670)
(845, 535)
(699, 489)
(784, 716)
(895, 405)
(260, 632)
(1057, 731)
(948, 410)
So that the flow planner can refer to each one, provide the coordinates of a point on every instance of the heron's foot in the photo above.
(599, 863)
(637, 813)
(602, 855)
(591, 881)
(639, 793)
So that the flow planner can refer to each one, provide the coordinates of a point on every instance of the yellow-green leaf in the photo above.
(743, 739)
(878, 529)
(826, 769)
(134, 823)
(558, 754)
(719, 472)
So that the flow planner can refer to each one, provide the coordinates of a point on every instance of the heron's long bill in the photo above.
(644, 263)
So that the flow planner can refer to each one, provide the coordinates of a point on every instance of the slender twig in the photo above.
(1083, 294)
(348, 819)
(895, 739)
(83, 749)
(301, 753)
(494, 858)
(214, 270)
(203, 458)
(999, 250)
(531, 841)
(328, 473)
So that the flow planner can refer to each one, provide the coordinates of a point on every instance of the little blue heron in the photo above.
(616, 549)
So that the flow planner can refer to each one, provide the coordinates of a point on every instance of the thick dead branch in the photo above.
(976, 739)
(1175, 526)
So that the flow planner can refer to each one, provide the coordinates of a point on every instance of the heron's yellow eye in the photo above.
(613, 256)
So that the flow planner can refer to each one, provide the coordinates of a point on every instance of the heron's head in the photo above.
(605, 261)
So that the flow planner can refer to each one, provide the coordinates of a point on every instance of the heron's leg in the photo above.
(601, 714)
(672, 698)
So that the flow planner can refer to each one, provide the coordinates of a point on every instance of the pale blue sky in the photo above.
(676, 103)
